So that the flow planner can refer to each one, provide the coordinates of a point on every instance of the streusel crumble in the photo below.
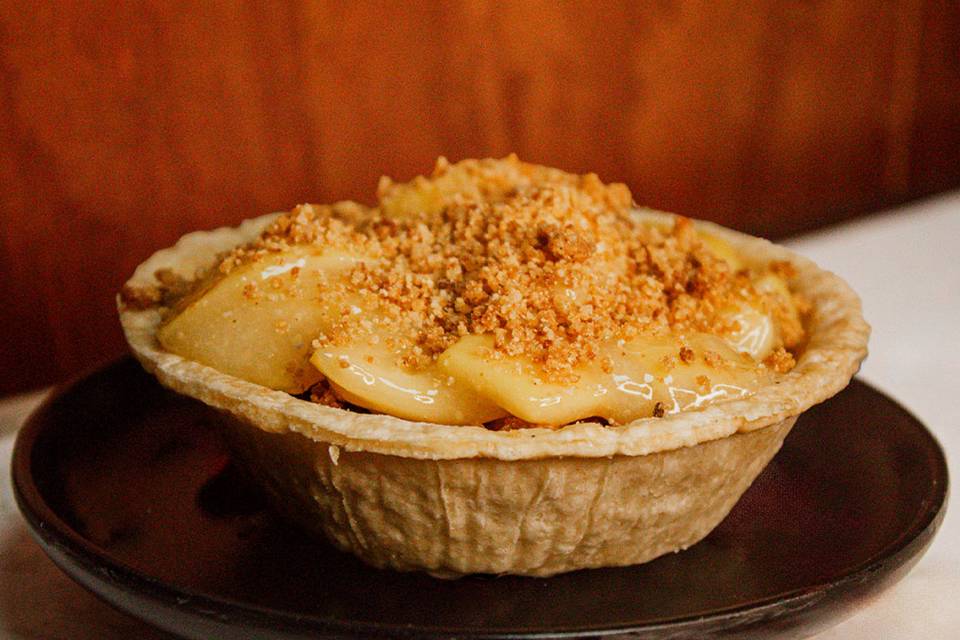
(555, 272)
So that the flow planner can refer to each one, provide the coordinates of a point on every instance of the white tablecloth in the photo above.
(906, 266)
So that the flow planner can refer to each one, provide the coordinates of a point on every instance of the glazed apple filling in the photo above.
(493, 292)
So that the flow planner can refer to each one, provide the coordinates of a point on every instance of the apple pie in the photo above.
(499, 368)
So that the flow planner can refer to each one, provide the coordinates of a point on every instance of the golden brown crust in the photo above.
(836, 343)
(528, 517)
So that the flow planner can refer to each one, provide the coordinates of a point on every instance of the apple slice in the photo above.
(517, 385)
(367, 375)
(431, 195)
(257, 322)
(676, 373)
(755, 334)
(643, 376)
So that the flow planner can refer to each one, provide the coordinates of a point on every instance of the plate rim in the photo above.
(54, 534)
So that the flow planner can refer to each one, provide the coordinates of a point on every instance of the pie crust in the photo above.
(461, 499)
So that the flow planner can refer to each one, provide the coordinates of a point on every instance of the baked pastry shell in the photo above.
(459, 499)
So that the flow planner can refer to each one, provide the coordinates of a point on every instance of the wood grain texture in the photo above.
(124, 125)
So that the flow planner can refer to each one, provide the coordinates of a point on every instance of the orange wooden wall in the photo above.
(125, 124)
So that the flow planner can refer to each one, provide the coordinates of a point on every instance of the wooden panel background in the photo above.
(123, 125)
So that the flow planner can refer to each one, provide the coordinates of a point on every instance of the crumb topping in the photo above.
(780, 360)
(551, 264)
(170, 287)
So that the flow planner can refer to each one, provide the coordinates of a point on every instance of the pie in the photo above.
(499, 368)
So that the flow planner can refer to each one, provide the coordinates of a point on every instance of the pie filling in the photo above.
(493, 292)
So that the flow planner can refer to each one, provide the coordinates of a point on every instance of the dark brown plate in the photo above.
(129, 492)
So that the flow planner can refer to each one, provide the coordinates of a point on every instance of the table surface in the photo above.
(904, 266)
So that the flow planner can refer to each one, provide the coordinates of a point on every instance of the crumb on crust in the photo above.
(169, 288)
(780, 360)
